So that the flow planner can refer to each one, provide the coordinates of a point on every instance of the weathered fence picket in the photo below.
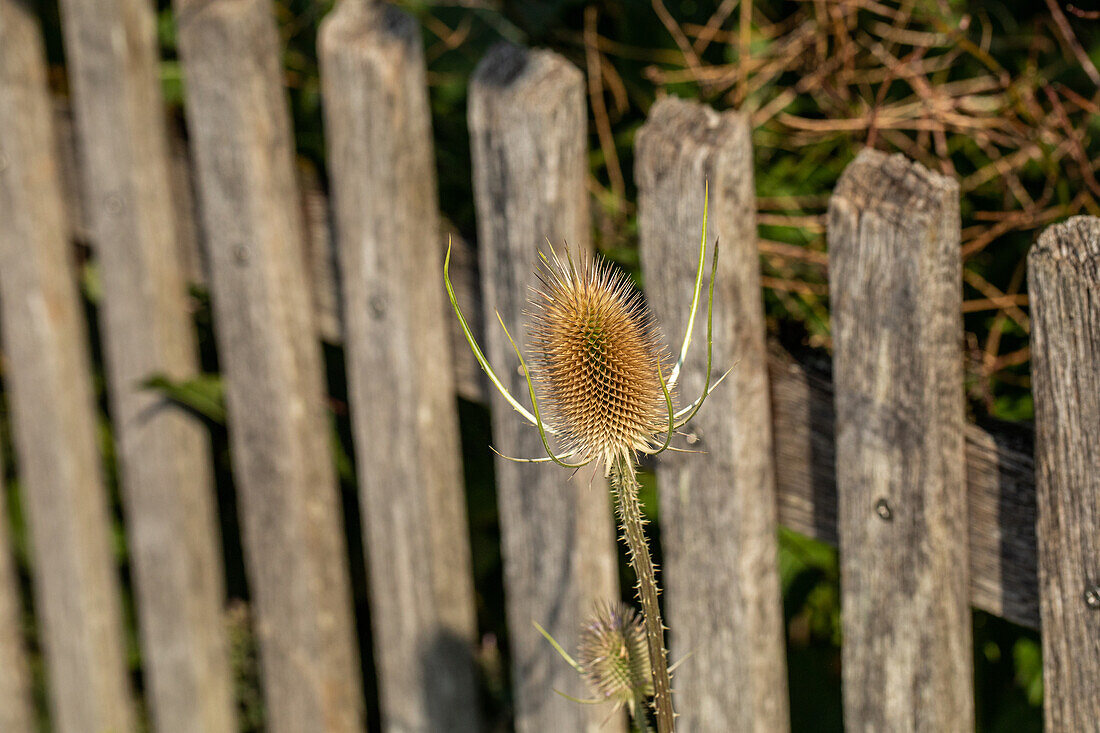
(378, 127)
(895, 297)
(1000, 487)
(527, 128)
(163, 452)
(718, 510)
(16, 702)
(1064, 284)
(292, 525)
(932, 514)
(47, 373)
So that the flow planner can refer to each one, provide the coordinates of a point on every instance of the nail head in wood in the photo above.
(895, 290)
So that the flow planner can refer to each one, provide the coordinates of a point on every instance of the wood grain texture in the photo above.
(895, 291)
(53, 414)
(718, 509)
(292, 526)
(1000, 486)
(319, 248)
(321, 264)
(999, 466)
(16, 701)
(378, 127)
(1064, 285)
(163, 452)
(1000, 480)
(527, 124)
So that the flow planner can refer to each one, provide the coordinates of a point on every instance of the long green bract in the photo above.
(710, 338)
(481, 360)
(675, 374)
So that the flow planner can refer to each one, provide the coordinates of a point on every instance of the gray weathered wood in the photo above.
(16, 703)
(1001, 514)
(1000, 486)
(378, 127)
(1064, 284)
(718, 510)
(163, 452)
(292, 525)
(53, 413)
(895, 289)
(1000, 477)
(321, 266)
(527, 124)
(1000, 470)
(184, 208)
(319, 249)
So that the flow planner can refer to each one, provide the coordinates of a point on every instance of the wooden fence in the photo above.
(932, 515)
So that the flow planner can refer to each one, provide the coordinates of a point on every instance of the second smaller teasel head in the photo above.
(613, 656)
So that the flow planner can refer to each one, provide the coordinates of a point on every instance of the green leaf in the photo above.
(203, 394)
(1029, 669)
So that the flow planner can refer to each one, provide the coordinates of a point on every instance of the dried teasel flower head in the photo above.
(613, 656)
(598, 360)
(600, 365)
(600, 369)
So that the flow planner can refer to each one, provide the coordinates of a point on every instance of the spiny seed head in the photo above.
(613, 655)
(598, 356)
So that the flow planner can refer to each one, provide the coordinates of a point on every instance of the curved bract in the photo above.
(600, 373)
(599, 363)
(481, 360)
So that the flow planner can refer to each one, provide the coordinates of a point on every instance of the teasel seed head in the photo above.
(613, 655)
(598, 360)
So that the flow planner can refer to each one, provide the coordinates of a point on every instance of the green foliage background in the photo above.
(992, 92)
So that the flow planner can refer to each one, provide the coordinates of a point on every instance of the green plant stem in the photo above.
(624, 481)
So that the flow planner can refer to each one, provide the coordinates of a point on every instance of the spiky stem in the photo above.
(624, 481)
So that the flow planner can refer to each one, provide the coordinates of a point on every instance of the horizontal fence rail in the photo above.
(868, 450)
